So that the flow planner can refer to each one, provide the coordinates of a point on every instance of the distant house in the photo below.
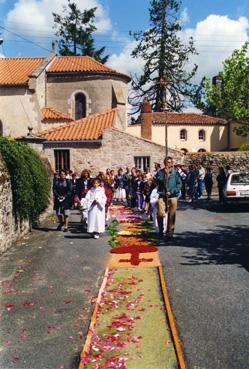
(188, 132)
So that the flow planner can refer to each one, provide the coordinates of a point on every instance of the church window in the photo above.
(80, 106)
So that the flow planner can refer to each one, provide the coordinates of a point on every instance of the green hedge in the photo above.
(244, 147)
(30, 182)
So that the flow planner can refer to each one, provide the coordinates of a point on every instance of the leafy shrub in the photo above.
(113, 231)
(244, 147)
(29, 179)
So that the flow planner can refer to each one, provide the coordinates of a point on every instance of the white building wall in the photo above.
(18, 110)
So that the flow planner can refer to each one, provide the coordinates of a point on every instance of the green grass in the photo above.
(144, 331)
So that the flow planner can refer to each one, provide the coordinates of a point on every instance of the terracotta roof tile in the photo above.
(16, 71)
(90, 128)
(50, 114)
(76, 64)
(186, 118)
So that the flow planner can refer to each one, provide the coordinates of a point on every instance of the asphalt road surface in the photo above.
(206, 268)
(48, 280)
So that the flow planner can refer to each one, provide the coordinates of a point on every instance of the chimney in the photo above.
(146, 120)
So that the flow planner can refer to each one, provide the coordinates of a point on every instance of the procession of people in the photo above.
(154, 194)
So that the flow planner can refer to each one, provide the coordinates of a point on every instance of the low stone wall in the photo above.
(11, 229)
(237, 160)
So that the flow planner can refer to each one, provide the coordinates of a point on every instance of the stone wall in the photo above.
(237, 160)
(99, 92)
(121, 148)
(10, 229)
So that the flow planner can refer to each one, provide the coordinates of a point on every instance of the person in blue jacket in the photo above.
(169, 188)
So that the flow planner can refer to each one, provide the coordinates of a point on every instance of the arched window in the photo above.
(202, 150)
(202, 135)
(80, 106)
(183, 135)
(1, 128)
(184, 151)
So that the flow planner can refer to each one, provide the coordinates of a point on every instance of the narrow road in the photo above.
(47, 282)
(206, 267)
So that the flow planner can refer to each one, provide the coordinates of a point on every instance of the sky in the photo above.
(217, 26)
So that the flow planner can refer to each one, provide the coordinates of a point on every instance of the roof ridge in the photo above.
(58, 112)
(74, 122)
(24, 57)
(97, 114)
(83, 56)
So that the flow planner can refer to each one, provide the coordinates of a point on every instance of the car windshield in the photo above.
(241, 178)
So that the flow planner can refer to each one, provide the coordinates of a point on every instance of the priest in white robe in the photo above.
(96, 200)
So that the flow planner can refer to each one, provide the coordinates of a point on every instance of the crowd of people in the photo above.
(153, 193)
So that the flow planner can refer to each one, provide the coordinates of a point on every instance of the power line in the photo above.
(124, 37)
(25, 39)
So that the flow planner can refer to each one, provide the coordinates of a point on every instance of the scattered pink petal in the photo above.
(9, 306)
(67, 301)
(81, 336)
(27, 304)
(120, 329)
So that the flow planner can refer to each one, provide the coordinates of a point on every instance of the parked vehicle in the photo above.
(237, 188)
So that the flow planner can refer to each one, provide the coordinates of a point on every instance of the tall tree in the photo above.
(75, 30)
(229, 96)
(165, 57)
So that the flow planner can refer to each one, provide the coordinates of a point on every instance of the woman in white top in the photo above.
(96, 200)
(154, 203)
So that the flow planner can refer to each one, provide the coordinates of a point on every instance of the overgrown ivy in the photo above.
(30, 181)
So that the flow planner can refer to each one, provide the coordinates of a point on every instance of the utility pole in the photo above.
(164, 83)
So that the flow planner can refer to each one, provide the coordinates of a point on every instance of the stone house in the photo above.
(188, 132)
(38, 92)
(75, 110)
(95, 143)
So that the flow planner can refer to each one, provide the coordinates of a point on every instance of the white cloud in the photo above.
(184, 16)
(216, 37)
(124, 63)
(34, 17)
